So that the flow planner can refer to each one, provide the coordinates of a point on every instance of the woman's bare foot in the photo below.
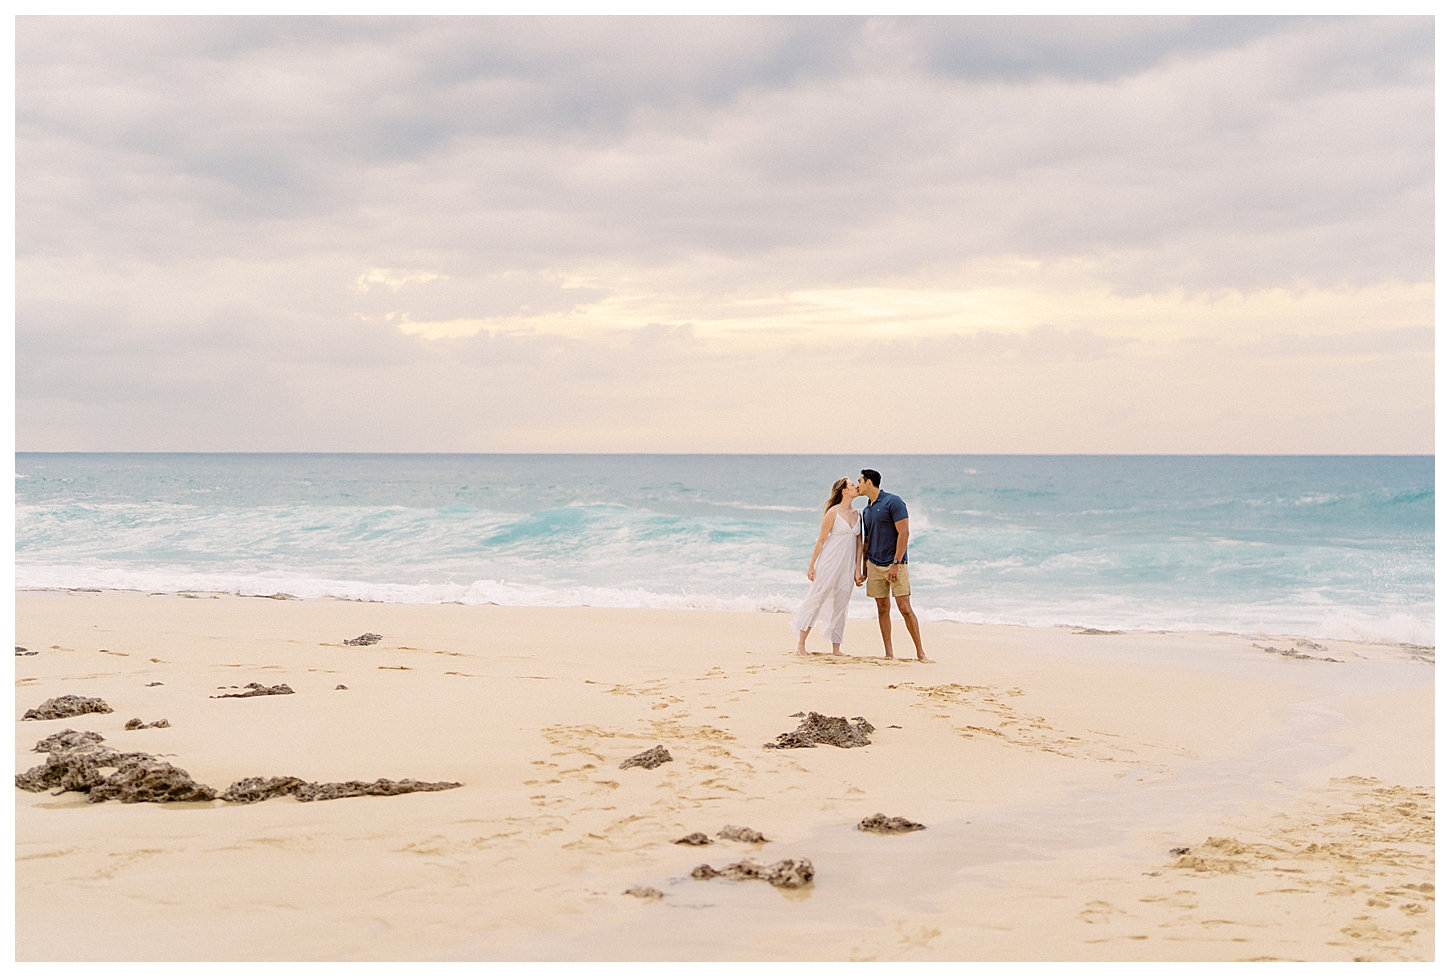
(836, 650)
(923, 658)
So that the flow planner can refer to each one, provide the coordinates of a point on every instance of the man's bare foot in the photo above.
(923, 658)
(890, 657)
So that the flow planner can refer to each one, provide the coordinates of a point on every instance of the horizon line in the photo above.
(777, 454)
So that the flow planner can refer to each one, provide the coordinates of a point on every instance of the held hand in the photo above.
(860, 579)
(811, 573)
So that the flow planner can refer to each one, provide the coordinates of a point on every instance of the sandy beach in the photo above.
(1055, 772)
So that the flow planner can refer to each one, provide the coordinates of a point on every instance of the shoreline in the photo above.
(1055, 772)
(867, 615)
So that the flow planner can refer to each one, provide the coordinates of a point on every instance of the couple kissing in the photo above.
(854, 548)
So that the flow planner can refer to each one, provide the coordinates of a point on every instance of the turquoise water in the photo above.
(1339, 547)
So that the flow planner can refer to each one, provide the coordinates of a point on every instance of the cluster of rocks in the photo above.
(66, 706)
(649, 759)
(254, 789)
(831, 730)
(23, 652)
(730, 833)
(78, 761)
(363, 639)
(256, 688)
(788, 873)
(882, 825)
(138, 724)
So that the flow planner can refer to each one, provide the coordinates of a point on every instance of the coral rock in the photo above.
(254, 789)
(66, 706)
(154, 781)
(831, 730)
(788, 873)
(138, 724)
(363, 639)
(882, 825)
(649, 759)
(732, 833)
(695, 838)
(255, 688)
(645, 892)
(67, 739)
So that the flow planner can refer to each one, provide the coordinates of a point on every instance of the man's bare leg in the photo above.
(883, 618)
(800, 649)
(912, 625)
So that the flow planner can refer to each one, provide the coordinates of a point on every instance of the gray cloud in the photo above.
(521, 141)
(196, 196)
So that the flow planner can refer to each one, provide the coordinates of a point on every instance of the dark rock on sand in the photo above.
(150, 781)
(154, 684)
(882, 825)
(1178, 851)
(649, 759)
(254, 789)
(788, 873)
(340, 688)
(732, 833)
(21, 652)
(831, 730)
(694, 838)
(644, 892)
(66, 739)
(138, 724)
(255, 688)
(66, 706)
(378, 788)
(79, 762)
(363, 639)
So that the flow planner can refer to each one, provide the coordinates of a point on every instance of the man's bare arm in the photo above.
(903, 533)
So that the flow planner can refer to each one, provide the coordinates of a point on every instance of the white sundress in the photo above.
(830, 592)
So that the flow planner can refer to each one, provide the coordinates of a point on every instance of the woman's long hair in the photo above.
(837, 491)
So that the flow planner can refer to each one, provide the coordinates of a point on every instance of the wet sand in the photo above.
(1056, 772)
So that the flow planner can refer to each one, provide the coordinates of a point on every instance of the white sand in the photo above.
(1054, 771)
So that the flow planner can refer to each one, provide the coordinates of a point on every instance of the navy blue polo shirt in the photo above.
(880, 519)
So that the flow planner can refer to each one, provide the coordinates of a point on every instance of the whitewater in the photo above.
(1333, 547)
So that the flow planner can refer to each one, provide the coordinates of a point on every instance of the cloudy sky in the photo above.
(725, 234)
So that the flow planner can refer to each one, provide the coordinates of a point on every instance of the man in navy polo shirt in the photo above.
(887, 529)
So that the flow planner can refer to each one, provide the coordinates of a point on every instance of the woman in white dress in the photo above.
(834, 570)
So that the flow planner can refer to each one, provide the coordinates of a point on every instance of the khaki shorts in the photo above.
(878, 586)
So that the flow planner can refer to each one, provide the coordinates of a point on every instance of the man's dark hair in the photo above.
(872, 476)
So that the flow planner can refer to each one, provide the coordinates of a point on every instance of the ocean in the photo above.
(1329, 547)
